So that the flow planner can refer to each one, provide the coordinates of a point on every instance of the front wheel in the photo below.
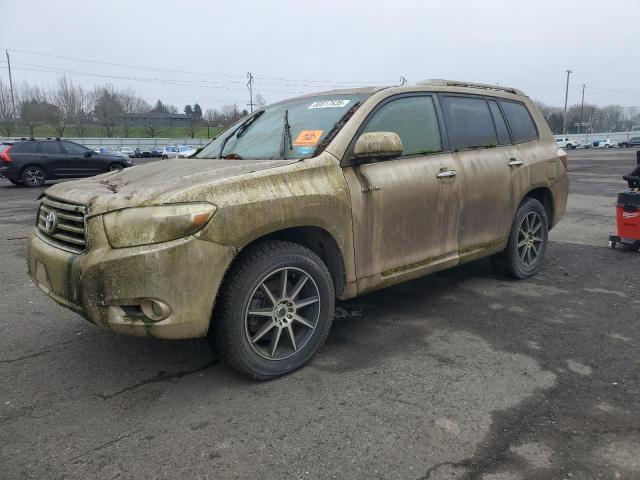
(275, 310)
(115, 167)
(527, 242)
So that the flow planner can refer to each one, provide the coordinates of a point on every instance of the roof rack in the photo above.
(484, 86)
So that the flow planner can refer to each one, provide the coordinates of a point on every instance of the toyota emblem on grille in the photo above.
(51, 222)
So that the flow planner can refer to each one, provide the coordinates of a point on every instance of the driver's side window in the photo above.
(75, 149)
(415, 121)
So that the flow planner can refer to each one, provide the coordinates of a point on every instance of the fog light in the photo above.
(155, 309)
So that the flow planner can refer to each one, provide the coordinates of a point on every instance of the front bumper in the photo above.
(107, 286)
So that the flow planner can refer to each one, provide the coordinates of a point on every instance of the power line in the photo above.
(161, 69)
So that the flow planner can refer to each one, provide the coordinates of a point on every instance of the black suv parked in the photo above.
(632, 142)
(32, 162)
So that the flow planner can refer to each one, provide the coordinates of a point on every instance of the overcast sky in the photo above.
(296, 47)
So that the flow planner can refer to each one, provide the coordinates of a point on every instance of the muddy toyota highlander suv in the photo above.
(313, 198)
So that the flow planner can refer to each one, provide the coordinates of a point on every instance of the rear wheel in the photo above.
(33, 176)
(275, 310)
(527, 242)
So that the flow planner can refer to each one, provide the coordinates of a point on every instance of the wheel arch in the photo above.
(316, 239)
(545, 197)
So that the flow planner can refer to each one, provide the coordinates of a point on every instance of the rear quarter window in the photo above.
(522, 127)
(26, 147)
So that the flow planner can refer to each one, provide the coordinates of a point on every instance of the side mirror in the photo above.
(375, 146)
(88, 153)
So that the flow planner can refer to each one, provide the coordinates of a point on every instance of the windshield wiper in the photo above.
(286, 136)
(238, 131)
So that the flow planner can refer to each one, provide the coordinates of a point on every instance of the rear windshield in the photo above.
(289, 129)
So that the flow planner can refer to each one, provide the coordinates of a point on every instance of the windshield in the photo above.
(294, 126)
(185, 148)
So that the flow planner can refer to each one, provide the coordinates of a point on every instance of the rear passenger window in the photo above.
(501, 127)
(414, 119)
(520, 121)
(469, 122)
(50, 148)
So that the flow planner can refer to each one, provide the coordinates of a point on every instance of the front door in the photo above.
(405, 210)
(81, 161)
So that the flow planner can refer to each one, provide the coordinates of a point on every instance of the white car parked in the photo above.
(185, 151)
(567, 143)
(607, 143)
(170, 151)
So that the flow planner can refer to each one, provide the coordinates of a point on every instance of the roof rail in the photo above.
(484, 86)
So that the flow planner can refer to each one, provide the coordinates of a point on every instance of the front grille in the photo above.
(62, 225)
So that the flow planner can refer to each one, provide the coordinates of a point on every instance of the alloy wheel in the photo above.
(529, 239)
(282, 313)
(33, 176)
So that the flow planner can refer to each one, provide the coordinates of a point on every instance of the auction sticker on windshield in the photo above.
(329, 104)
(308, 138)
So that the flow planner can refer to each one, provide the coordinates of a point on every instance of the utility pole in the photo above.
(403, 81)
(13, 101)
(250, 86)
(566, 98)
(235, 112)
(581, 108)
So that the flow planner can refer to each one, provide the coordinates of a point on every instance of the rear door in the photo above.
(405, 210)
(52, 158)
(482, 144)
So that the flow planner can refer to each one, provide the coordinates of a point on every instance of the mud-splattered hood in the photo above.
(155, 182)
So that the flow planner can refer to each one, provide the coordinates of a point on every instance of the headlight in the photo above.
(146, 225)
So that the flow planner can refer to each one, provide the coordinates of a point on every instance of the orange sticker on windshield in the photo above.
(308, 138)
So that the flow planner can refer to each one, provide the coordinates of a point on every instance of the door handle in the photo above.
(446, 173)
(514, 162)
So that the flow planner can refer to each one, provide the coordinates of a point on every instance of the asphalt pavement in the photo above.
(458, 375)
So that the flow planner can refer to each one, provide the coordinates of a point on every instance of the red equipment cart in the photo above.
(628, 212)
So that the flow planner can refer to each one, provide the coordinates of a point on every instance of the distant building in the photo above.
(159, 119)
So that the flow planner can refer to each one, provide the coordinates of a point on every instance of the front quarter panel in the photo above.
(311, 192)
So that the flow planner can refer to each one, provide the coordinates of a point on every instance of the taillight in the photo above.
(5, 155)
(564, 158)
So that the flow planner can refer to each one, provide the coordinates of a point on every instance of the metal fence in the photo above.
(591, 137)
(96, 142)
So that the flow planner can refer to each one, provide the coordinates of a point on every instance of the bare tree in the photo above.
(130, 103)
(35, 108)
(108, 109)
(6, 110)
(229, 114)
(260, 101)
(151, 129)
(191, 128)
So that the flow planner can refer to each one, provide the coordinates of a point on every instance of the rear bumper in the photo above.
(107, 286)
(8, 172)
